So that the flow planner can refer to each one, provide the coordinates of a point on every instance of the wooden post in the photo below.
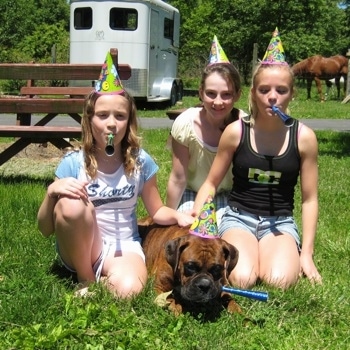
(347, 98)
(255, 57)
(114, 54)
(53, 53)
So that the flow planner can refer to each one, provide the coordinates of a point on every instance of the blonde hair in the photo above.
(130, 144)
(253, 110)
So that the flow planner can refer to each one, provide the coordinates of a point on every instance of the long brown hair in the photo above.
(231, 75)
(130, 144)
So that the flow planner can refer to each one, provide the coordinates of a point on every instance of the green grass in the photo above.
(38, 311)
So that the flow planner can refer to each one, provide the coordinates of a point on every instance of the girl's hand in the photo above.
(309, 269)
(192, 213)
(69, 187)
(184, 220)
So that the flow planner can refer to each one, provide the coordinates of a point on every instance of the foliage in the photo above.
(307, 28)
(39, 44)
(26, 21)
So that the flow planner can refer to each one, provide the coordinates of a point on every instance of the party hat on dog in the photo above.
(217, 54)
(275, 52)
(205, 225)
(109, 81)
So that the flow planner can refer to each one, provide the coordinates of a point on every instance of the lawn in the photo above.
(38, 310)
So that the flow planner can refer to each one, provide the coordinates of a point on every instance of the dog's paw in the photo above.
(167, 301)
(162, 299)
(230, 305)
(176, 309)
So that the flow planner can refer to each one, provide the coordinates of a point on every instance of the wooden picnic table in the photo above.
(48, 101)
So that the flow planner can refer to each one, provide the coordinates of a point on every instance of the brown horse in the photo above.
(321, 68)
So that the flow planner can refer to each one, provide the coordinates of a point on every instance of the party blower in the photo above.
(109, 149)
(287, 120)
(261, 296)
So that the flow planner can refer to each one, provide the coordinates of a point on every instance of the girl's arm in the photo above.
(160, 213)
(308, 149)
(228, 144)
(178, 176)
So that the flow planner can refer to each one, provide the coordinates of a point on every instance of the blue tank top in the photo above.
(264, 185)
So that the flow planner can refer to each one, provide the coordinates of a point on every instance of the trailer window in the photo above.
(168, 28)
(123, 19)
(83, 18)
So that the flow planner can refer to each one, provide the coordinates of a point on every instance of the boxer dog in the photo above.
(190, 268)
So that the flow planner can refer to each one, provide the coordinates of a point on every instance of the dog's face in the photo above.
(200, 266)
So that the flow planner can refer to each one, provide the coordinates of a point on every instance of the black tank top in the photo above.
(264, 185)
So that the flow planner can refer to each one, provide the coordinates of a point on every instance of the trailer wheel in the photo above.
(173, 95)
(180, 91)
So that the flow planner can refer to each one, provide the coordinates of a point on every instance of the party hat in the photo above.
(217, 54)
(205, 225)
(275, 52)
(109, 81)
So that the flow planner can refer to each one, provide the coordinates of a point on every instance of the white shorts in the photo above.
(109, 248)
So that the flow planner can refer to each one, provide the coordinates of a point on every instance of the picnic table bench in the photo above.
(48, 101)
(174, 113)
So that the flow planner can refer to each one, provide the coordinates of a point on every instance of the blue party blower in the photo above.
(287, 120)
(261, 296)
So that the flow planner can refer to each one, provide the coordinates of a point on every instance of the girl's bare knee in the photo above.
(69, 209)
(243, 279)
(125, 286)
(280, 279)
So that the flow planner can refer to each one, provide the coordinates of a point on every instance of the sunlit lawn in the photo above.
(38, 310)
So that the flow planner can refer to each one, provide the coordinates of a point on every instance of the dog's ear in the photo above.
(231, 256)
(173, 249)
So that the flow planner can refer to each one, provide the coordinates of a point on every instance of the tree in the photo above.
(26, 21)
(307, 27)
(29, 28)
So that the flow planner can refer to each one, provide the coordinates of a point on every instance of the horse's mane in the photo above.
(301, 67)
(342, 60)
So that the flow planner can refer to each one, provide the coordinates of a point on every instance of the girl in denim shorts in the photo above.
(268, 151)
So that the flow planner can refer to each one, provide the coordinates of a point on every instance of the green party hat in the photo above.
(109, 81)
(205, 225)
(275, 52)
(217, 54)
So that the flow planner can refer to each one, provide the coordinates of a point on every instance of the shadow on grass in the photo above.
(152, 106)
(59, 271)
(335, 144)
(15, 179)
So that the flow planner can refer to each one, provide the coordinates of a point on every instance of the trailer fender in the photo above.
(172, 89)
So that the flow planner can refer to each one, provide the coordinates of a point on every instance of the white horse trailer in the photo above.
(146, 34)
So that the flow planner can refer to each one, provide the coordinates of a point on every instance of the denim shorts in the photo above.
(259, 226)
(189, 196)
